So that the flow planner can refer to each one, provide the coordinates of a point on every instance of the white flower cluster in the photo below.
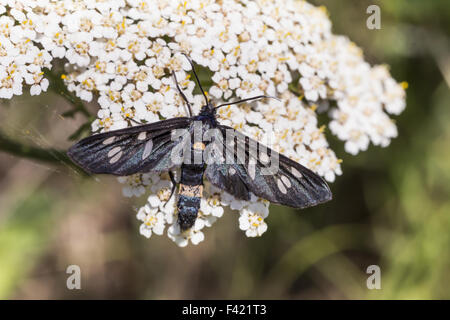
(22, 59)
(121, 53)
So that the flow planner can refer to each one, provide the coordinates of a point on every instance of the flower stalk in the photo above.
(47, 155)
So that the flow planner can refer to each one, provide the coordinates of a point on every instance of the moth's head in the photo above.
(208, 108)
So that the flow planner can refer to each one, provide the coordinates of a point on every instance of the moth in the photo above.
(229, 160)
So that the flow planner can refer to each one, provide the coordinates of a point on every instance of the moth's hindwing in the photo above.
(145, 148)
(288, 183)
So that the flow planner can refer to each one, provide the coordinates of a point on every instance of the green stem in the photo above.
(58, 85)
(49, 155)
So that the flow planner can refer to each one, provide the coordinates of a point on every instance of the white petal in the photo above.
(145, 231)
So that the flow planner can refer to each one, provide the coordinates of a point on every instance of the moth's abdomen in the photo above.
(190, 193)
(187, 211)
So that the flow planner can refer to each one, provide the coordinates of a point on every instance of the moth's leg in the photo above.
(182, 94)
(174, 185)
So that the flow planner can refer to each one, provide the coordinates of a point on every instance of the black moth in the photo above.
(149, 148)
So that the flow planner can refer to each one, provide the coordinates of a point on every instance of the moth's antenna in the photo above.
(182, 94)
(247, 99)
(196, 77)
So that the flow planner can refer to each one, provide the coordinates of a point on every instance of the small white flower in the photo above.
(153, 221)
(107, 50)
(135, 184)
(78, 53)
(11, 84)
(8, 51)
(252, 218)
(83, 20)
(314, 88)
(133, 46)
(182, 238)
(54, 40)
(212, 205)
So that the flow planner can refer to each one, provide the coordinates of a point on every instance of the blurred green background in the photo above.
(390, 208)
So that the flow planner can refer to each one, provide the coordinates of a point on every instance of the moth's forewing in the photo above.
(139, 149)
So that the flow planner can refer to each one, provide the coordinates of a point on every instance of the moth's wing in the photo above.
(145, 148)
(222, 171)
(247, 166)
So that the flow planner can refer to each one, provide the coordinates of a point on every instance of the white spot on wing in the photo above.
(109, 140)
(286, 181)
(115, 158)
(113, 151)
(142, 135)
(296, 173)
(147, 149)
(232, 171)
(252, 170)
(281, 186)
